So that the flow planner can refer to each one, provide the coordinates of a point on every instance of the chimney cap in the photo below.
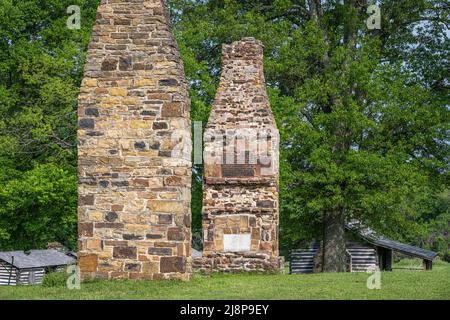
(240, 44)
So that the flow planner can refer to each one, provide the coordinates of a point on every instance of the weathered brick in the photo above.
(173, 264)
(173, 181)
(125, 253)
(155, 146)
(160, 126)
(144, 82)
(160, 251)
(168, 82)
(125, 63)
(132, 237)
(265, 204)
(172, 110)
(108, 225)
(141, 182)
(122, 183)
(86, 229)
(118, 92)
(87, 82)
(140, 124)
(111, 216)
(175, 234)
(148, 113)
(104, 184)
(86, 200)
(115, 47)
(86, 123)
(159, 96)
(164, 219)
(94, 244)
(153, 236)
(122, 22)
(139, 35)
(88, 262)
(237, 170)
(92, 112)
(109, 64)
(119, 35)
(139, 145)
(117, 207)
(132, 267)
(115, 243)
(166, 206)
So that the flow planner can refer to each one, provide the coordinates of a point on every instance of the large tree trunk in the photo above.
(334, 258)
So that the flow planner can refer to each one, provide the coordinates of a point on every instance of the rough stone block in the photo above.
(172, 110)
(173, 264)
(85, 229)
(88, 262)
(166, 206)
(125, 253)
(175, 234)
(160, 251)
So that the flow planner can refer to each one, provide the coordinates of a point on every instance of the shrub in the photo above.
(55, 279)
(447, 257)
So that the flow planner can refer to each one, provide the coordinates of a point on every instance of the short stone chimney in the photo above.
(134, 147)
(240, 197)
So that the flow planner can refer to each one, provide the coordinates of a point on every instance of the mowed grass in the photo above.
(399, 284)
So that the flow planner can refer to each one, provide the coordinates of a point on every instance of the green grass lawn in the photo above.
(399, 284)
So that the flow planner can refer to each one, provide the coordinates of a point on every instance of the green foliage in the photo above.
(41, 65)
(435, 232)
(38, 208)
(55, 279)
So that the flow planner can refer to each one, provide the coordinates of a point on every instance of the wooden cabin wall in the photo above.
(363, 255)
(360, 256)
(24, 278)
(5, 272)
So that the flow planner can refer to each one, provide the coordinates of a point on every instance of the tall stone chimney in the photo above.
(134, 147)
(240, 198)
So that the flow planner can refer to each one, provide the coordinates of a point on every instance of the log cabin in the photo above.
(29, 268)
(365, 251)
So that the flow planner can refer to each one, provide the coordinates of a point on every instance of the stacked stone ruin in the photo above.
(240, 198)
(134, 147)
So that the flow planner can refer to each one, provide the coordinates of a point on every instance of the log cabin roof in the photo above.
(372, 237)
(36, 258)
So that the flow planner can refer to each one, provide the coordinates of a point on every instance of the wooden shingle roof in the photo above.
(378, 240)
(36, 258)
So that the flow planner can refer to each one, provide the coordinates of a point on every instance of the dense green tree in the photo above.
(435, 231)
(38, 208)
(41, 64)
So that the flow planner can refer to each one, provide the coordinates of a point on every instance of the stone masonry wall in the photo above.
(240, 198)
(134, 147)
